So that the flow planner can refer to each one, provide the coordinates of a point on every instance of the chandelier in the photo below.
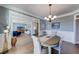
(50, 17)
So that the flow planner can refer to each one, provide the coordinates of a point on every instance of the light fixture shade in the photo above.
(45, 18)
(54, 16)
(50, 16)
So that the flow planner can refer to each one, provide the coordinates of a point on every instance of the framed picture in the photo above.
(42, 25)
(56, 25)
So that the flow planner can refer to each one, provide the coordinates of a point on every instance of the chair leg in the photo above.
(59, 51)
(49, 50)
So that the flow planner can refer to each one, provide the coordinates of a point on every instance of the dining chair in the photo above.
(37, 46)
(38, 49)
(58, 47)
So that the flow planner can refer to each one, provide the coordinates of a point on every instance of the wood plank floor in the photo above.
(25, 46)
(69, 48)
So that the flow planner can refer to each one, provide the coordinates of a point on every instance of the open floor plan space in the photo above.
(39, 28)
(27, 48)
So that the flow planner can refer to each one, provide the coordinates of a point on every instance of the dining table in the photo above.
(48, 41)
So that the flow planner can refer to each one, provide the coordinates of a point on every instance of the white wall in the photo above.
(76, 28)
(65, 35)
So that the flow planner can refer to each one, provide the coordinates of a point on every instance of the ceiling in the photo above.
(42, 10)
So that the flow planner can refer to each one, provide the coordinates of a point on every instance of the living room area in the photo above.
(39, 28)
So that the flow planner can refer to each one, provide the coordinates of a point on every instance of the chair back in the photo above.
(37, 45)
(59, 39)
(58, 46)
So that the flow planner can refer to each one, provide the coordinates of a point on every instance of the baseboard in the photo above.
(77, 42)
(70, 42)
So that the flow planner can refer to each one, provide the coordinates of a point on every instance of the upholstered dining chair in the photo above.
(55, 43)
(37, 46)
(58, 45)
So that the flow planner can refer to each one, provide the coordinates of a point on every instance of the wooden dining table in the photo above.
(48, 41)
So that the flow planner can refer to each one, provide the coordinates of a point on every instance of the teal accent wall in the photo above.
(4, 17)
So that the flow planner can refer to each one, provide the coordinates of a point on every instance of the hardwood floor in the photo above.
(69, 48)
(27, 49)
(25, 46)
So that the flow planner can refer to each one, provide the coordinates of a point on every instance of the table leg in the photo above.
(49, 50)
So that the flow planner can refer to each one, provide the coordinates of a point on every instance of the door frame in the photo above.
(74, 27)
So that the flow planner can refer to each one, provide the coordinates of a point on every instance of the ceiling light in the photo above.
(50, 17)
(55, 16)
(45, 17)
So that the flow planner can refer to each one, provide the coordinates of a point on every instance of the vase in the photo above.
(5, 44)
(13, 41)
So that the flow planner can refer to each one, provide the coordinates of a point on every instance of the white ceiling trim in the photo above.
(60, 16)
(22, 12)
(68, 14)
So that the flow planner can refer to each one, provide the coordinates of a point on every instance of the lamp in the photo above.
(50, 17)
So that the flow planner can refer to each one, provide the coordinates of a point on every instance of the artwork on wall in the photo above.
(18, 26)
(55, 25)
(42, 25)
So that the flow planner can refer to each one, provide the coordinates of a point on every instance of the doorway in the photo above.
(77, 29)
